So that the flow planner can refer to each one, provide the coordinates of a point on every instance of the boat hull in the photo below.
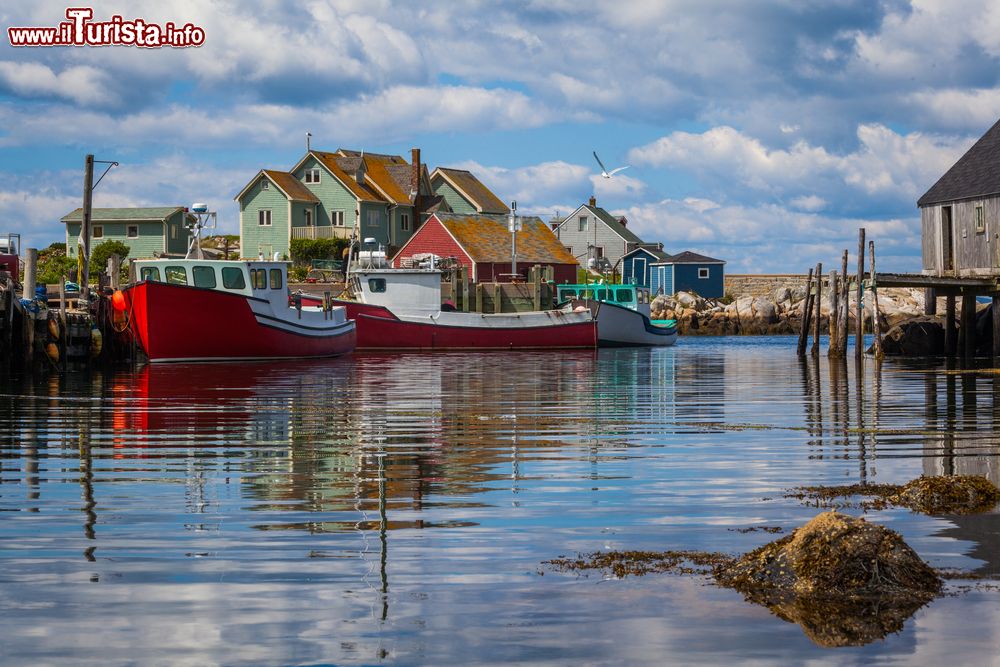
(183, 323)
(379, 328)
(618, 326)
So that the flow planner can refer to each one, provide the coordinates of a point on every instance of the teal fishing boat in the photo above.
(622, 314)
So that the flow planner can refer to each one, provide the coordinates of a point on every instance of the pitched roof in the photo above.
(153, 214)
(658, 254)
(291, 186)
(612, 222)
(688, 257)
(384, 157)
(480, 195)
(486, 239)
(976, 174)
(334, 164)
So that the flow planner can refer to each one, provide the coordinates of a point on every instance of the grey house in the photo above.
(960, 214)
(590, 232)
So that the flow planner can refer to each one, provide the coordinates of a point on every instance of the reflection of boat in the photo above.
(202, 310)
(622, 314)
(401, 308)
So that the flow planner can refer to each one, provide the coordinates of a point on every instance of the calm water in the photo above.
(398, 509)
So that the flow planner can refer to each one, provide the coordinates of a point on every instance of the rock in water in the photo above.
(949, 494)
(844, 580)
(917, 337)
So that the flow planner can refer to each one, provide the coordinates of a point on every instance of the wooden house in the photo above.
(636, 264)
(148, 232)
(590, 232)
(688, 272)
(465, 193)
(960, 214)
(482, 243)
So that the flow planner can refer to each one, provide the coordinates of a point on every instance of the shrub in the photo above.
(100, 254)
(304, 251)
(53, 264)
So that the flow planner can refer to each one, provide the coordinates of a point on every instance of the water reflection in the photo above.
(377, 507)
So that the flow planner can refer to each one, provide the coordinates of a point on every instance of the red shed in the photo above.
(482, 243)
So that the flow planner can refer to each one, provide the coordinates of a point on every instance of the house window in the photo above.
(583, 223)
(374, 218)
(404, 222)
(309, 217)
(232, 278)
(980, 220)
(312, 176)
(265, 184)
(337, 218)
(598, 251)
(264, 217)
(98, 232)
(132, 231)
(703, 272)
(173, 231)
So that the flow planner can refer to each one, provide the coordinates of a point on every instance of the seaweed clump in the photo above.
(845, 581)
(638, 563)
(940, 494)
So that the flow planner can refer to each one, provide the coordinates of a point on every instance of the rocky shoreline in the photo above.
(778, 313)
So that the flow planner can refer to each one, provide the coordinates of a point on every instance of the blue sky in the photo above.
(763, 133)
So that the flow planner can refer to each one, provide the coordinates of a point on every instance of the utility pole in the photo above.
(84, 263)
(514, 225)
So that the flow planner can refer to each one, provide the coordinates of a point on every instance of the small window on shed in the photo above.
(176, 275)
(276, 281)
(204, 276)
(376, 285)
(97, 232)
(703, 272)
(232, 278)
(980, 220)
(149, 273)
(265, 184)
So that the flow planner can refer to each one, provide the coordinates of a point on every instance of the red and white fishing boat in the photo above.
(401, 309)
(216, 310)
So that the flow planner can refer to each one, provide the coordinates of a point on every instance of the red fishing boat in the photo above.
(401, 309)
(213, 310)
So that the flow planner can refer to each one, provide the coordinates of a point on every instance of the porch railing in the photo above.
(321, 232)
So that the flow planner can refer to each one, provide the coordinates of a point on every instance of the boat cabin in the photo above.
(628, 296)
(400, 289)
(261, 280)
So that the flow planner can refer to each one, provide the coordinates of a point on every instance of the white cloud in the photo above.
(810, 203)
(80, 84)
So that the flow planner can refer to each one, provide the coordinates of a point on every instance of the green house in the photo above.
(148, 232)
(464, 193)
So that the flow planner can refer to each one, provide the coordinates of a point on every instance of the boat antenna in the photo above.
(202, 219)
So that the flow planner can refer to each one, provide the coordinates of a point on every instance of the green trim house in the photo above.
(148, 232)
(464, 193)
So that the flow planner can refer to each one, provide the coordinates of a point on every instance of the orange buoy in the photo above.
(118, 301)
(53, 351)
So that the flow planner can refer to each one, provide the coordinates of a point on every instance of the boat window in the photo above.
(586, 294)
(176, 275)
(149, 273)
(623, 295)
(204, 276)
(259, 278)
(276, 282)
(376, 284)
(232, 278)
(567, 294)
(602, 295)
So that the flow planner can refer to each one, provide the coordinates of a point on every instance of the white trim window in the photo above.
(264, 217)
(599, 251)
(132, 231)
(374, 217)
(703, 272)
(582, 223)
(404, 222)
(311, 176)
(97, 232)
(173, 232)
(337, 218)
(265, 184)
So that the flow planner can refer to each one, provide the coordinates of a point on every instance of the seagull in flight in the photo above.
(604, 172)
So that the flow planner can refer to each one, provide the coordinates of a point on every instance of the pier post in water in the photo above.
(819, 309)
(844, 318)
(832, 350)
(930, 301)
(876, 316)
(30, 266)
(967, 331)
(806, 316)
(949, 325)
(859, 324)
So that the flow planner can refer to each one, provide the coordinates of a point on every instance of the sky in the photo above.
(761, 133)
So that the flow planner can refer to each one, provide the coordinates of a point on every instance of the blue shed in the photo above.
(636, 264)
(688, 272)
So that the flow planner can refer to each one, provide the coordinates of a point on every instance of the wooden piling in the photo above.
(930, 301)
(949, 326)
(497, 298)
(85, 233)
(819, 309)
(832, 348)
(806, 313)
(30, 268)
(536, 284)
(114, 271)
(995, 311)
(968, 329)
(859, 324)
(64, 330)
(876, 316)
(844, 318)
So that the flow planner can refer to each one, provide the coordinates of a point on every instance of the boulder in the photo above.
(686, 299)
(782, 294)
(765, 311)
(917, 337)
(949, 494)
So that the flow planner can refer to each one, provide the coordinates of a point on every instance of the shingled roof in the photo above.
(485, 238)
(688, 257)
(467, 184)
(153, 213)
(976, 174)
(613, 222)
(291, 186)
(341, 168)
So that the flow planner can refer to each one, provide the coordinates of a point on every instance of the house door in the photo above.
(947, 240)
(639, 271)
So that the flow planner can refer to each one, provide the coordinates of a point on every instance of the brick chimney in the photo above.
(593, 201)
(624, 221)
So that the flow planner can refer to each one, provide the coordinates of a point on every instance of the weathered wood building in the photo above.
(960, 214)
